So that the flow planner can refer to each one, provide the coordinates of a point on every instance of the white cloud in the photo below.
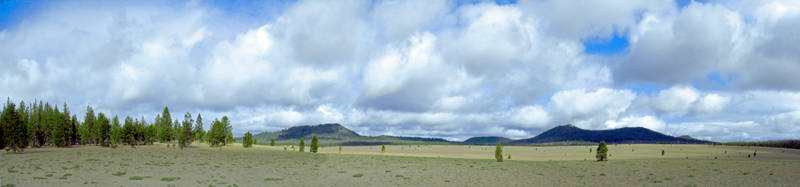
(649, 122)
(448, 70)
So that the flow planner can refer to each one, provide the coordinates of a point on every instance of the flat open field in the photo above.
(630, 165)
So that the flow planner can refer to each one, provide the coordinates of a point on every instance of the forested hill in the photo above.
(622, 135)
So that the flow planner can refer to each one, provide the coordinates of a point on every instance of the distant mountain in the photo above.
(566, 133)
(487, 140)
(336, 134)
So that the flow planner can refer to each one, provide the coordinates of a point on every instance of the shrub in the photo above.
(272, 142)
(602, 152)
(662, 152)
(340, 148)
(383, 148)
(314, 144)
(498, 153)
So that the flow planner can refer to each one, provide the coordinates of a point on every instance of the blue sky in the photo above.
(714, 70)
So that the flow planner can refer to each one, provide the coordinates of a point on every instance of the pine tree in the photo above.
(247, 140)
(602, 152)
(15, 128)
(116, 132)
(314, 144)
(340, 148)
(199, 132)
(129, 132)
(272, 142)
(102, 129)
(498, 153)
(302, 145)
(58, 131)
(185, 137)
(166, 126)
(3, 127)
(662, 152)
(89, 134)
(383, 148)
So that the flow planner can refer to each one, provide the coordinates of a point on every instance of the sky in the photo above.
(714, 70)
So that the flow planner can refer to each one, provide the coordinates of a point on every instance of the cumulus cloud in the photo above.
(419, 68)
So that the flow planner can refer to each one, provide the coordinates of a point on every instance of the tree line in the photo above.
(42, 124)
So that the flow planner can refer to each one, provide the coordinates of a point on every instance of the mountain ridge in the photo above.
(336, 134)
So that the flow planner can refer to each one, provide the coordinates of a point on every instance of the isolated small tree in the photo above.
(662, 152)
(314, 144)
(340, 148)
(272, 142)
(383, 148)
(754, 153)
(602, 152)
(509, 156)
(590, 150)
(247, 140)
(498, 152)
(302, 145)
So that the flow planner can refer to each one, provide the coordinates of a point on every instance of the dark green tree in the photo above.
(302, 145)
(129, 131)
(662, 152)
(166, 126)
(102, 129)
(16, 129)
(88, 134)
(58, 131)
(272, 142)
(116, 133)
(602, 152)
(498, 152)
(383, 148)
(199, 132)
(247, 140)
(314, 144)
(185, 137)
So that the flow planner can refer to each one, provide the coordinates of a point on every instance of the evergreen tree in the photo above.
(227, 130)
(247, 140)
(662, 152)
(166, 125)
(75, 135)
(498, 152)
(129, 132)
(58, 131)
(314, 144)
(272, 142)
(116, 133)
(102, 129)
(199, 132)
(15, 128)
(185, 137)
(89, 134)
(602, 152)
(302, 145)
(216, 135)
(340, 148)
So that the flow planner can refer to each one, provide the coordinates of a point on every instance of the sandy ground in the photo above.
(158, 165)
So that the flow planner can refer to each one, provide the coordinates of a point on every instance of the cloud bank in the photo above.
(722, 71)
